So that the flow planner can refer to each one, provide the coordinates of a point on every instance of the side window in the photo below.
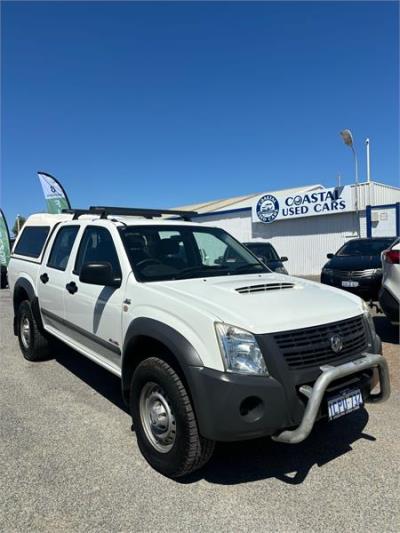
(62, 247)
(97, 245)
(32, 241)
(212, 249)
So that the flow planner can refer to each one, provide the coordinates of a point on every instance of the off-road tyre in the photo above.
(35, 345)
(189, 451)
(3, 278)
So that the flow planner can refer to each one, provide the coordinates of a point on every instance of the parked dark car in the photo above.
(356, 267)
(268, 255)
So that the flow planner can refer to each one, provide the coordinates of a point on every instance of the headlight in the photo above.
(368, 316)
(240, 351)
(327, 271)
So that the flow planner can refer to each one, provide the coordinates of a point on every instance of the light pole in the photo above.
(348, 140)
(368, 160)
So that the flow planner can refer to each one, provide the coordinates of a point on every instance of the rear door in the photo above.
(93, 313)
(51, 282)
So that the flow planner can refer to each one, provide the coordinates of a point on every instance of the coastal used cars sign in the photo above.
(270, 207)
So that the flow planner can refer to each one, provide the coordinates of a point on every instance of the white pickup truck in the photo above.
(207, 349)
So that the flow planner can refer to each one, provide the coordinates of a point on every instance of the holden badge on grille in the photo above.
(336, 343)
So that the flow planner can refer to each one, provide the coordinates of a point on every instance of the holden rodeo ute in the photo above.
(207, 350)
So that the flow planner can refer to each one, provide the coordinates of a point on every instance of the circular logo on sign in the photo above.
(297, 200)
(267, 208)
(336, 343)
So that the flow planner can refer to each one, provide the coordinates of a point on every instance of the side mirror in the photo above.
(284, 258)
(329, 256)
(99, 273)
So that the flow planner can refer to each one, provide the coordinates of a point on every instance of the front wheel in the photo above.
(164, 420)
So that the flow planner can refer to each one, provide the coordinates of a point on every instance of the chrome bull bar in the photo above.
(316, 393)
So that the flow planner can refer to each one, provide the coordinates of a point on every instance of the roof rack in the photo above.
(105, 211)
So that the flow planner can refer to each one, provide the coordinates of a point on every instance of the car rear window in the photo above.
(264, 250)
(32, 241)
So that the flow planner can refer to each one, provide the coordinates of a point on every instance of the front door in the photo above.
(93, 313)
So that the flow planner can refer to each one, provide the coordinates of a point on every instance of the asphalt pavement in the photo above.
(69, 461)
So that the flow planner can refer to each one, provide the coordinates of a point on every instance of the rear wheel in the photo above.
(3, 277)
(165, 422)
(33, 343)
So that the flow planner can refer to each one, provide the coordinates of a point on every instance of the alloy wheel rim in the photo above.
(157, 417)
(26, 332)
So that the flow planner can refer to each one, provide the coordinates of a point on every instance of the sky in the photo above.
(162, 104)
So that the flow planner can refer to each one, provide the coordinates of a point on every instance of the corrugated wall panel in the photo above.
(383, 194)
(305, 241)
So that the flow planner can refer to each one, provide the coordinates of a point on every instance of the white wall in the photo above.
(305, 241)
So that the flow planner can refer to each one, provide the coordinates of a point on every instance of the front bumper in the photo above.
(389, 305)
(368, 286)
(316, 393)
(232, 407)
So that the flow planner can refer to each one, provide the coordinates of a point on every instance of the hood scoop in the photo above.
(265, 287)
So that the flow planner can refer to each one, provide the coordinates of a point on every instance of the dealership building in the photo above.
(306, 223)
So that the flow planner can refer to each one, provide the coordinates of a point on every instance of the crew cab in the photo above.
(206, 350)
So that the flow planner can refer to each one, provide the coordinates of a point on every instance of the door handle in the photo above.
(44, 278)
(71, 287)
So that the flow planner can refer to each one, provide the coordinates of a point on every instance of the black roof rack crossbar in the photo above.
(138, 212)
(104, 211)
(78, 212)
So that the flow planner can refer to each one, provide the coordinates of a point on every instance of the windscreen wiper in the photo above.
(244, 267)
(199, 269)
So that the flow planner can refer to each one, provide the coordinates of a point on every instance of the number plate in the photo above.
(345, 403)
(350, 283)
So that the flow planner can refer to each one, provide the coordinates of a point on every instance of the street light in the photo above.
(348, 140)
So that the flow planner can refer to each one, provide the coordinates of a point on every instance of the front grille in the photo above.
(311, 347)
(265, 287)
(354, 273)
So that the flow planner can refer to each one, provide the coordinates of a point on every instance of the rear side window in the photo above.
(62, 247)
(32, 241)
(266, 251)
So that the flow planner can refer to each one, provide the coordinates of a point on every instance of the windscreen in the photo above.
(364, 247)
(181, 252)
